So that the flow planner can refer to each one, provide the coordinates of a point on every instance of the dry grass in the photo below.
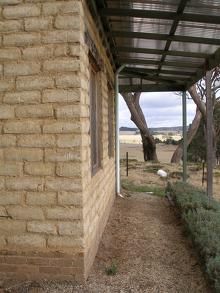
(144, 173)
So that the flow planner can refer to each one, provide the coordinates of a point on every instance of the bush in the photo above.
(112, 269)
(201, 216)
(171, 141)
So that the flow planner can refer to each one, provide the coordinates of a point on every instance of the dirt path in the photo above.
(145, 240)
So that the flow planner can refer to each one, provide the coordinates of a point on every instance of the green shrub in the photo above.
(201, 216)
(153, 168)
(112, 269)
(213, 269)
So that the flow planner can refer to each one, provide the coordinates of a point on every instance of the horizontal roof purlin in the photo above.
(160, 15)
(156, 37)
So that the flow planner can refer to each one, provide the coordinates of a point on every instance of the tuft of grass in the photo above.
(132, 163)
(195, 167)
(112, 269)
(123, 161)
(217, 174)
(153, 168)
(132, 187)
(177, 175)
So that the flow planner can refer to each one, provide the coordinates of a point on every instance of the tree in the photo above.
(197, 148)
(198, 94)
(177, 155)
(217, 128)
(137, 116)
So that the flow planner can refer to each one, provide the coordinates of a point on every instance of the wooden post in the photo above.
(184, 137)
(127, 164)
(117, 143)
(203, 172)
(209, 134)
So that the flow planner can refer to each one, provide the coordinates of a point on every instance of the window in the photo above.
(95, 119)
(110, 122)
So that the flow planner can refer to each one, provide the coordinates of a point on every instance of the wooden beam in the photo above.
(184, 136)
(94, 12)
(179, 12)
(162, 71)
(209, 134)
(165, 37)
(146, 76)
(150, 88)
(160, 52)
(154, 62)
(160, 15)
(211, 62)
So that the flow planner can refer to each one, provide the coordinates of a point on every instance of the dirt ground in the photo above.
(144, 244)
(164, 152)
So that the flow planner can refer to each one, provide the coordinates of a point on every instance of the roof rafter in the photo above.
(150, 88)
(100, 4)
(160, 15)
(211, 62)
(159, 52)
(162, 71)
(149, 60)
(154, 62)
(173, 29)
(93, 9)
(176, 38)
(151, 76)
(171, 80)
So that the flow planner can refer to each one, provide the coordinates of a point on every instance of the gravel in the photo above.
(145, 243)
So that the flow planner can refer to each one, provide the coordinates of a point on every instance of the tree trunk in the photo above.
(202, 107)
(137, 116)
(177, 155)
(198, 101)
(149, 148)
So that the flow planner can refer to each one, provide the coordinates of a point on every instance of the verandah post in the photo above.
(184, 136)
(209, 134)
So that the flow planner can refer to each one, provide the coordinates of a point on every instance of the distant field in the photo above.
(136, 138)
(164, 152)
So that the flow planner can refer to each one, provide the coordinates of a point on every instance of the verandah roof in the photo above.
(167, 45)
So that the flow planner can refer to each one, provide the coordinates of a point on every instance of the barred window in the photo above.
(95, 119)
(110, 122)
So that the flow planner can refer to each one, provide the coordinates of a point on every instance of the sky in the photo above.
(161, 109)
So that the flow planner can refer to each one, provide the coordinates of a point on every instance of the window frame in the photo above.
(111, 112)
(95, 116)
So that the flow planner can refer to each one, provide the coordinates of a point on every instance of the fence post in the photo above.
(127, 164)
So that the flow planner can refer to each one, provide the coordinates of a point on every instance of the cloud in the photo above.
(160, 109)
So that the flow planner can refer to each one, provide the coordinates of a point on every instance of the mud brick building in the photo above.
(54, 198)
(59, 68)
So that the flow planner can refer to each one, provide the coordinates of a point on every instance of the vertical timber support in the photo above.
(209, 134)
(117, 143)
(184, 136)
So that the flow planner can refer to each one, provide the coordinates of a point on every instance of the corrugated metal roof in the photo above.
(165, 44)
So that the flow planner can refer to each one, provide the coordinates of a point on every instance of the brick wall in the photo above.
(98, 190)
(52, 211)
(40, 138)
